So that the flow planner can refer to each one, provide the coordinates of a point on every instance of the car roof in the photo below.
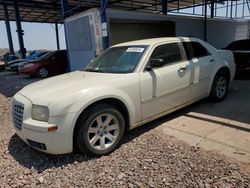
(153, 41)
(241, 40)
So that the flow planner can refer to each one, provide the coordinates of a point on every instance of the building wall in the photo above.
(182, 26)
(220, 32)
(127, 31)
(84, 31)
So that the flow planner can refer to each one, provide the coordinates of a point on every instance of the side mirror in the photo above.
(155, 62)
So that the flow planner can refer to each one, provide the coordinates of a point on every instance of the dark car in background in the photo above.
(241, 51)
(52, 63)
(13, 65)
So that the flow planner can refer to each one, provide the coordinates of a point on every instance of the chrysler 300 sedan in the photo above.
(128, 85)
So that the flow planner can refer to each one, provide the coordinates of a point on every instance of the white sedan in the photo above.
(128, 85)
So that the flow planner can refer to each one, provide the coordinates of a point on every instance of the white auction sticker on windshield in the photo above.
(134, 49)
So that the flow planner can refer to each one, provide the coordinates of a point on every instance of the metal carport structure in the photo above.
(54, 11)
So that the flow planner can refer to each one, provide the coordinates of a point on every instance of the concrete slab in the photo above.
(195, 126)
(232, 137)
(191, 139)
(222, 127)
(228, 151)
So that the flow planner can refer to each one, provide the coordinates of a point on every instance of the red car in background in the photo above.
(52, 63)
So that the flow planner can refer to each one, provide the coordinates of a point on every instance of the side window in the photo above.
(170, 53)
(195, 50)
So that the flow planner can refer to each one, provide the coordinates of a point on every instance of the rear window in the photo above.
(195, 50)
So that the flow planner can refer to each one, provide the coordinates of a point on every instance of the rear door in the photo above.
(166, 87)
(202, 61)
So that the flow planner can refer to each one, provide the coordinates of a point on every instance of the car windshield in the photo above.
(36, 55)
(47, 55)
(122, 59)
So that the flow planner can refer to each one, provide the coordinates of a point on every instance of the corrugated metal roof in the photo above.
(50, 11)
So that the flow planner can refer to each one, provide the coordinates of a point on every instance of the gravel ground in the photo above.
(145, 159)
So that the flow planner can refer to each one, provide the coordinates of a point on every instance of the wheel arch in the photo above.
(222, 68)
(120, 105)
(227, 71)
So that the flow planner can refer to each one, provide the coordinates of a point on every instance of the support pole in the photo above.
(243, 9)
(236, 7)
(8, 30)
(57, 37)
(231, 11)
(248, 6)
(178, 6)
(205, 21)
(215, 9)
(164, 7)
(193, 6)
(227, 10)
(212, 9)
(105, 38)
(19, 30)
(65, 8)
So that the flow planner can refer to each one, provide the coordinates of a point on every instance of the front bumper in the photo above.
(29, 70)
(35, 133)
(13, 68)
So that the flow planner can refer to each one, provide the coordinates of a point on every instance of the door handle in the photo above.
(182, 68)
(212, 60)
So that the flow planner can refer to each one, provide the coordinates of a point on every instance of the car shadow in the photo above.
(33, 159)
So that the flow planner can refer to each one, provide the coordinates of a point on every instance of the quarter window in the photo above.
(170, 53)
(195, 50)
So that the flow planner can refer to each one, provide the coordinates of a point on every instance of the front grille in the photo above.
(17, 115)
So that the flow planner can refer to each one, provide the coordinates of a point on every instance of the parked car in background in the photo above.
(13, 65)
(241, 51)
(52, 63)
(128, 85)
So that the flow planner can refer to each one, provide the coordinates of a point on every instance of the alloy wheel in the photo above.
(103, 131)
(43, 72)
(221, 87)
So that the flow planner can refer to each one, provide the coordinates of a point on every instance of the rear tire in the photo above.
(219, 87)
(100, 130)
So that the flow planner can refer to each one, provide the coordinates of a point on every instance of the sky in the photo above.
(36, 36)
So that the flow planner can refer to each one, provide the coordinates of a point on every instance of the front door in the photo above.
(166, 87)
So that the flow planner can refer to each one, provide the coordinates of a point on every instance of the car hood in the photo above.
(52, 89)
(15, 62)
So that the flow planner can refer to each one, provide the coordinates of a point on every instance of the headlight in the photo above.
(40, 113)
(28, 65)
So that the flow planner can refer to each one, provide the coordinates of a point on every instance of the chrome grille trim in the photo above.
(17, 115)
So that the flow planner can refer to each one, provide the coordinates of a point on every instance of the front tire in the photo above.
(220, 87)
(100, 130)
(42, 72)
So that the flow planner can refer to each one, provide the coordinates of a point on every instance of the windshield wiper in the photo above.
(92, 70)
